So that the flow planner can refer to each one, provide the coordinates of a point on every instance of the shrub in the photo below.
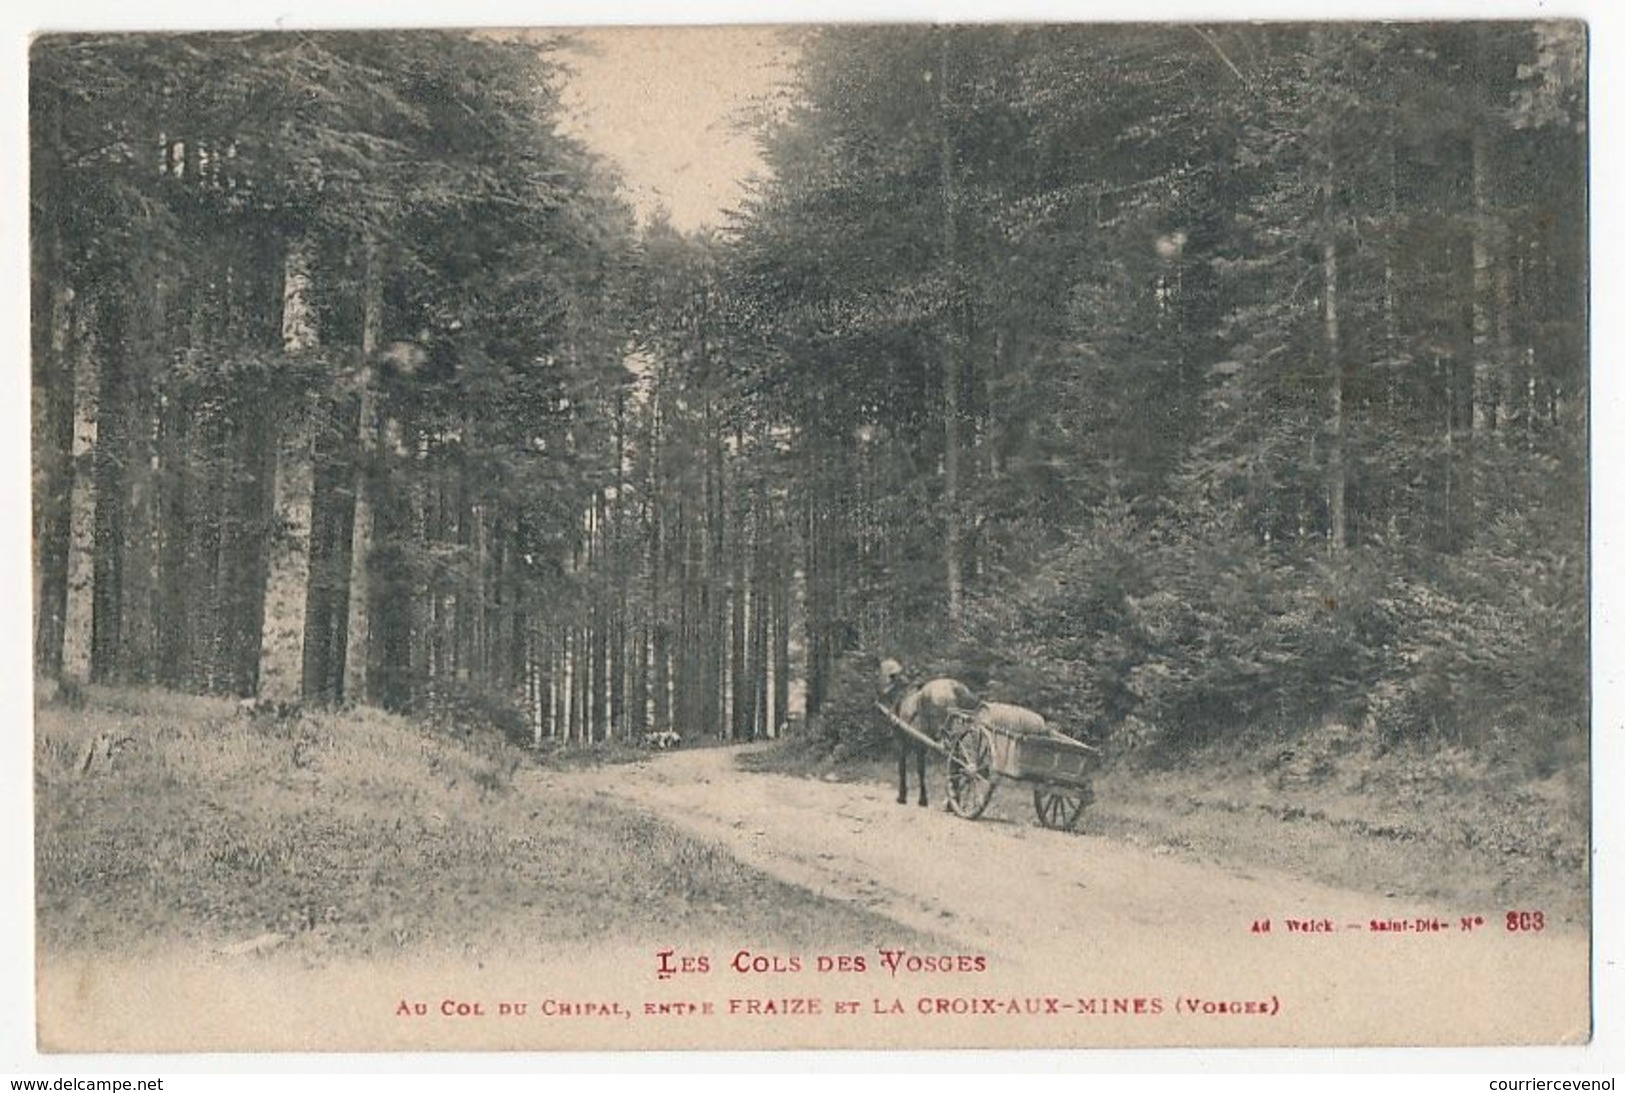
(1169, 636)
(848, 724)
(465, 706)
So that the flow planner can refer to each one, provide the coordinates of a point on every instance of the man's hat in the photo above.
(890, 670)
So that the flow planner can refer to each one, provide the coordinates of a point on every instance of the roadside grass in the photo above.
(163, 818)
(1444, 825)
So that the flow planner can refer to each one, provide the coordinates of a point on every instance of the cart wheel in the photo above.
(970, 772)
(1060, 810)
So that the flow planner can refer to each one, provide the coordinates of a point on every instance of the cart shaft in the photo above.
(904, 727)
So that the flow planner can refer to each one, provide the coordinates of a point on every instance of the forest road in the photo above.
(1108, 918)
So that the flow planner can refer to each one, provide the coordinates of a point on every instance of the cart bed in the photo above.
(1053, 758)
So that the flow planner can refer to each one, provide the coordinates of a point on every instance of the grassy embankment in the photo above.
(1443, 825)
(165, 820)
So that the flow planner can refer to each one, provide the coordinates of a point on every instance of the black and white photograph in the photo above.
(861, 535)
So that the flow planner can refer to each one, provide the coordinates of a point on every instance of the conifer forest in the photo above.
(1189, 383)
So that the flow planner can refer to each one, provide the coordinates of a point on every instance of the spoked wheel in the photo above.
(970, 772)
(1061, 809)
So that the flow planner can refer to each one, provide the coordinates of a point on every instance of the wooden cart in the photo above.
(980, 754)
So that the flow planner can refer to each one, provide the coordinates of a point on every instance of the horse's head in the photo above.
(893, 683)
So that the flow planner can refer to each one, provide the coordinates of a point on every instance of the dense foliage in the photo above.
(330, 315)
(1187, 383)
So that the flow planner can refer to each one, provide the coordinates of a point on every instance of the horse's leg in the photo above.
(902, 771)
(919, 764)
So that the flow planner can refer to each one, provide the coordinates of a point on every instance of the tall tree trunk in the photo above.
(175, 566)
(714, 715)
(570, 681)
(783, 577)
(659, 549)
(54, 392)
(581, 673)
(262, 409)
(327, 604)
(107, 602)
(1486, 373)
(1337, 483)
(225, 547)
(600, 622)
(358, 629)
(638, 688)
(461, 611)
(952, 335)
(691, 613)
(738, 676)
(760, 585)
(143, 330)
(815, 531)
(400, 606)
(619, 604)
(256, 500)
(660, 649)
(1396, 498)
(1484, 370)
(542, 669)
(292, 488)
(78, 621)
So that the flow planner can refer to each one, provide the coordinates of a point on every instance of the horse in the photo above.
(925, 709)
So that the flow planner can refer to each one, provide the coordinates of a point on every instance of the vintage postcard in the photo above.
(830, 536)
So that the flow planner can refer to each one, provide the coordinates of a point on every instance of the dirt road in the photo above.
(1068, 941)
(1116, 920)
